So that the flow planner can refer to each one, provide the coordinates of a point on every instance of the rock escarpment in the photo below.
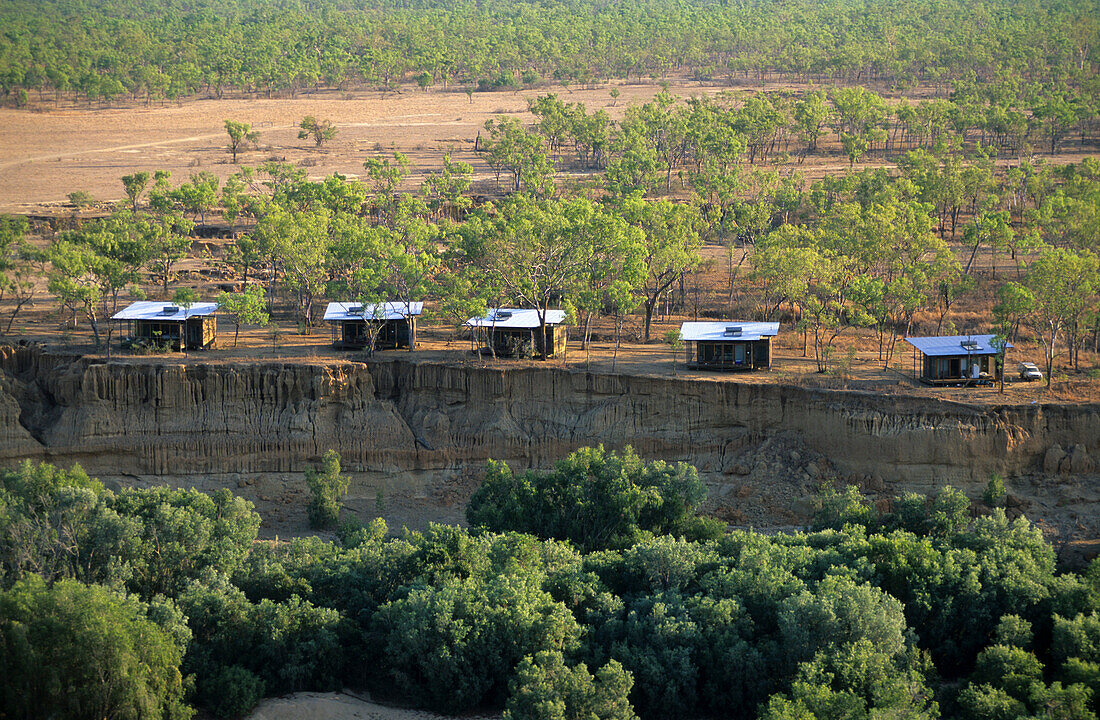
(401, 415)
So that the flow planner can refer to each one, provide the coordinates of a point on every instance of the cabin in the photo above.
(175, 327)
(393, 324)
(729, 345)
(514, 332)
(955, 359)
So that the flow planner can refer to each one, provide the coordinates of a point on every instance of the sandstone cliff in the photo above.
(402, 418)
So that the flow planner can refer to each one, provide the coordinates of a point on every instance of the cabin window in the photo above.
(354, 331)
(158, 331)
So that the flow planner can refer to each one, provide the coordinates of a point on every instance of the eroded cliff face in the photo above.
(402, 417)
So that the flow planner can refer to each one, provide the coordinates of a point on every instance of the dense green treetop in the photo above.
(166, 48)
(934, 607)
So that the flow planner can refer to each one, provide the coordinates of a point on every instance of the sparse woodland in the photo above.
(962, 215)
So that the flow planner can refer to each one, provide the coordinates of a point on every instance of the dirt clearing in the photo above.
(338, 706)
(46, 154)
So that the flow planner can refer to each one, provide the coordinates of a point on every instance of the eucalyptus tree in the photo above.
(808, 268)
(521, 155)
(168, 244)
(672, 243)
(246, 307)
(241, 135)
(718, 144)
(90, 267)
(135, 185)
(1014, 303)
(901, 259)
(412, 253)
(77, 276)
(615, 269)
(385, 179)
(320, 131)
(198, 196)
(1064, 284)
(1057, 109)
(660, 127)
(541, 250)
(859, 119)
(300, 240)
(992, 228)
(20, 267)
(759, 121)
(449, 186)
(811, 113)
(635, 168)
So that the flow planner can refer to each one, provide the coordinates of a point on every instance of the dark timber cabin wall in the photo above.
(392, 334)
(729, 354)
(523, 342)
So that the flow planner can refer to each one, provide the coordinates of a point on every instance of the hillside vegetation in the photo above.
(935, 608)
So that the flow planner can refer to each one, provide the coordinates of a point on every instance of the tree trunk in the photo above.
(649, 314)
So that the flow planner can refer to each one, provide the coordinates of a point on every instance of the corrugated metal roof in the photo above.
(516, 318)
(695, 331)
(160, 310)
(948, 345)
(372, 311)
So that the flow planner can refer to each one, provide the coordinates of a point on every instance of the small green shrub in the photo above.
(995, 493)
(842, 507)
(327, 488)
(80, 198)
(233, 692)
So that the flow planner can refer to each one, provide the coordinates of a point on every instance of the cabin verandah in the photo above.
(514, 333)
(174, 327)
(956, 359)
(393, 323)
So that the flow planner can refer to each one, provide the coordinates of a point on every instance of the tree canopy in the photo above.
(618, 608)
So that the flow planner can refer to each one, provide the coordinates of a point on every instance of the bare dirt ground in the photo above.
(339, 706)
(47, 154)
(55, 148)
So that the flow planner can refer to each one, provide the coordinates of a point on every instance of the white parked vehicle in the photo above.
(1029, 371)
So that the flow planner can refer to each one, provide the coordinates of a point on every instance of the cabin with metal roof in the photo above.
(514, 332)
(729, 345)
(391, 324)
(956, 359)
(175, 327)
